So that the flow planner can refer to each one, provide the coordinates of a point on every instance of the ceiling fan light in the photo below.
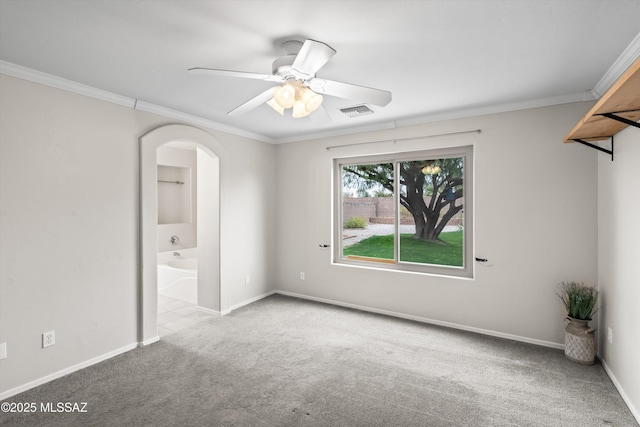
(311, 99)
(273, 104)
(299, 109)
(313, 103)
(285, 95)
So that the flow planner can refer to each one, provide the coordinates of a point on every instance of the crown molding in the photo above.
(25, 73)
(628, 56)
(624, 61)
(199, 121)
(587, 95)
(29, 74)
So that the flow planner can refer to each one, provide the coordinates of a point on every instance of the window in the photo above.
(406, 211)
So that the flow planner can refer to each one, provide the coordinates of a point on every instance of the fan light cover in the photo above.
(303, 100)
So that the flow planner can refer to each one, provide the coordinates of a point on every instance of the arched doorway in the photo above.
(208, 227)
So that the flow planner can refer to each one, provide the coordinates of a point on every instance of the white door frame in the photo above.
(210, 253)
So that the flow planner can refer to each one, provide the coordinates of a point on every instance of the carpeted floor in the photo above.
(287, 362)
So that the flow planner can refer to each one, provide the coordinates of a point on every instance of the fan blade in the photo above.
(350, 91)
(253, 103)
(241, 74)
(312, 56)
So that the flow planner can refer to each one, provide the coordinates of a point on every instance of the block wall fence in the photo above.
(380, 210)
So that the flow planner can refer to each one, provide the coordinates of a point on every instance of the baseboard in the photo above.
(618, 386)
(208, 310)
(429, 321)
(246, 302)
(17, 390)
(149, 341)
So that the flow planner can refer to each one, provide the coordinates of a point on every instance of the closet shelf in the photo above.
(618, 108)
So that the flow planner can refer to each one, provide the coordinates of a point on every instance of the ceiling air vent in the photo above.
(357, 111)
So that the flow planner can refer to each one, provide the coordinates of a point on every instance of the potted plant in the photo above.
(580, 301)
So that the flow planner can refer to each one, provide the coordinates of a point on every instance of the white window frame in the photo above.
(466, 152)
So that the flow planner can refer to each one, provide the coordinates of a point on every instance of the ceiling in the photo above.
(440, 58)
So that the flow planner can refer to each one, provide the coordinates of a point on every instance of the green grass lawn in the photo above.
(448, 251)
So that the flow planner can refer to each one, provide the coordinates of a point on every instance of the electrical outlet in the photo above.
(610, 335)
(247, 279)
(3, 350)
(301, 275)
(48, 339)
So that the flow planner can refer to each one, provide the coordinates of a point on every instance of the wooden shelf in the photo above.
(622, 99)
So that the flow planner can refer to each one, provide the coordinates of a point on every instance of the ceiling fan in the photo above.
(299, 88)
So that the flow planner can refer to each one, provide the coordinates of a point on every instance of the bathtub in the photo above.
(178, 275)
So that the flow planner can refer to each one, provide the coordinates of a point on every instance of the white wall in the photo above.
(69, 224)
(619, 264)
(248, 210)
(178, 198)
(208, 211)
(535, 216)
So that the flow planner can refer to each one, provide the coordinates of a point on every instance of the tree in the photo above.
(429, 189)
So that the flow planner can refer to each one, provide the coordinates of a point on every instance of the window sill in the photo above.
(393, 267)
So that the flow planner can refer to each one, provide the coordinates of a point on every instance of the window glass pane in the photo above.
(407, 211)
(431, 211)
(368, 212)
